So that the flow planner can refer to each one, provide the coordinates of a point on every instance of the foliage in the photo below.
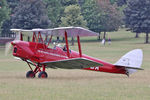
(137, 16)
(12, 4)
(121, 2)
(4, 11)
(30, 14)
(54, 9)
(112, 1)
(73, 17)
(92, 15)
(69, 2)
(6, 26)
(111, 18)
(101, 17)
(81, 2)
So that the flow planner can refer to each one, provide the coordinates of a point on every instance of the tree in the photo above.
(111, 18)
(54, 9)
(73, 17)
(69, 2)
(6, 26)
(81, 2)
(121, 2)
(92, 15)
(12, 5)
(4, 11)
(137, 17)
(30, 14)
(112, 1)
(101, 16)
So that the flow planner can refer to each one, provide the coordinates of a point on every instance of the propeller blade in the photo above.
(17, 58)
(8, 44)
(7, 48)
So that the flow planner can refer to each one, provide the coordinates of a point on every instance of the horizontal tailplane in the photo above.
(132, 61)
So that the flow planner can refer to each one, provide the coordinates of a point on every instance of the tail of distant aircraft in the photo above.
(132, 61)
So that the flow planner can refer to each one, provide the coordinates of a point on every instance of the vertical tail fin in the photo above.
(132, 61)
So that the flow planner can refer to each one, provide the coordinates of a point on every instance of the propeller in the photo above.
(7, 48)
(8, 44)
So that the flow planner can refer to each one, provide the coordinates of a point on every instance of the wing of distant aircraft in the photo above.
(76, 63)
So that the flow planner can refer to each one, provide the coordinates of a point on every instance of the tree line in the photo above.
(96, 15)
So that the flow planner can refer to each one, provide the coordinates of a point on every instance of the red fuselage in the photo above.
(38, 53)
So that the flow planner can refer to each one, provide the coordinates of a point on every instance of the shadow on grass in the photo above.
(61, 78)
(87, 77)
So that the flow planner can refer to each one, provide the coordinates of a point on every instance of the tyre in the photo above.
(30, 74)
(42, 74)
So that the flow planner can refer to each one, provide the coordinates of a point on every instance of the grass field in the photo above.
(80, 84)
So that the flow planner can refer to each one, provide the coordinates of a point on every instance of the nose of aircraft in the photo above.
(14, 42)
(8, 46)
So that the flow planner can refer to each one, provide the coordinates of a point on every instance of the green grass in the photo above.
(80, 84)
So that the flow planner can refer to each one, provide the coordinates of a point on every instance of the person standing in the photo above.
(109, 41)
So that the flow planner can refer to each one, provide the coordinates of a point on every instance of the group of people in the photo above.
(109, 41)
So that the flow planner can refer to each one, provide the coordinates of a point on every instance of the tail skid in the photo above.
(132, 61)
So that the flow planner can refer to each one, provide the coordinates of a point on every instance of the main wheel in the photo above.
(30, 74)
(42, 74)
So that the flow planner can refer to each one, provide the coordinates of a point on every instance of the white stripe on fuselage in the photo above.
(52, 54)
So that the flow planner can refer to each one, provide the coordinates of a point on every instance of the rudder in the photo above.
(132, 61)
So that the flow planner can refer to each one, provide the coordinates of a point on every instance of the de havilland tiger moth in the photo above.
(38, 53)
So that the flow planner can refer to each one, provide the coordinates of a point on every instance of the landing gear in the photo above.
(42, 74)
(38, 68)
(30, 74)
(127, 73)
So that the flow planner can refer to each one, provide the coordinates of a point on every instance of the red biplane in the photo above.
(38, 53)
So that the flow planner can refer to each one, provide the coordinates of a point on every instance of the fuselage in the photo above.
(38, 53)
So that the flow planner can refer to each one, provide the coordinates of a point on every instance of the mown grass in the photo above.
(80, 84)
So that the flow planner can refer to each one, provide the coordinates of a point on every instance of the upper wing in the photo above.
(76, 63)
(71, 31)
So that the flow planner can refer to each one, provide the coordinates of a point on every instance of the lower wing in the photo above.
(75, 63)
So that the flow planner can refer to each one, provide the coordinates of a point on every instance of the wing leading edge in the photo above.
(76, 63)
